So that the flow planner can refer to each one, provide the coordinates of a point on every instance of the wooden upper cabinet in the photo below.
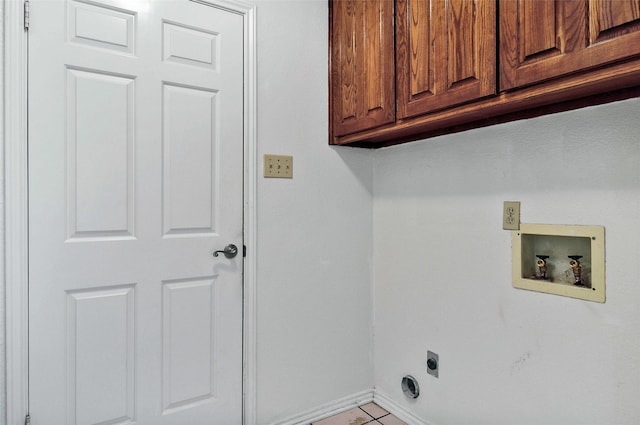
(445, 53)
(540, 40)
(362, 65)
(402, 70)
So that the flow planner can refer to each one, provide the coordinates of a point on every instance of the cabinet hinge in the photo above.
(27, 420)
(244, 251)
(27, 9)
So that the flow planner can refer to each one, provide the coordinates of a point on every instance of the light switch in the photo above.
(278, 166)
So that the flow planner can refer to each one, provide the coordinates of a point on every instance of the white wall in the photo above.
(442, 272)
(3, 407)
(314, 232)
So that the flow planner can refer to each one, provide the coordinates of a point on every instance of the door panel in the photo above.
(135, 178)
(101, 388)
(188, 377)
(102, 26)
(189, 207)
(99, 152)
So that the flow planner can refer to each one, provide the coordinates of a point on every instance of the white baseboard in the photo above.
(398, 411)
(329, 409)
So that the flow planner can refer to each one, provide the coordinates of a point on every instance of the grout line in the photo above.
(374, 417)
(374, 420)
(366, 413)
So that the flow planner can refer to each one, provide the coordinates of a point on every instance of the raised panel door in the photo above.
(445, 53)
(135, 178)
(545, 39)
(362, 65)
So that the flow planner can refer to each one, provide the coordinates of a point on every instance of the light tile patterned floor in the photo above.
(371, 414)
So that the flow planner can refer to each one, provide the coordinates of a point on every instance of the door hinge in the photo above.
(244, 251)
(27, 9)
(27, 420)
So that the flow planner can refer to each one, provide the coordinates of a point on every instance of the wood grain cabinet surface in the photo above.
(402, 70)
(445, 53)
(541, 40)
(362, 65)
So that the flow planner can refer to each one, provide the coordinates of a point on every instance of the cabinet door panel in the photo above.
(362, 67)
(610, 19)
(461, 59)
(445, 53)
(544, 39)
(415, 50)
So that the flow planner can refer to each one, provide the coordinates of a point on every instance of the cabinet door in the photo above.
(445, 53)
(543, 39)
(362, 67)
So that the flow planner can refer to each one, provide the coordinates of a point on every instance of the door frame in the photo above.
(15, 134)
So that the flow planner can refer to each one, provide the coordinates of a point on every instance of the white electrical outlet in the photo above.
(511, 215)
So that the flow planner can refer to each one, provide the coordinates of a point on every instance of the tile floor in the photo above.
(370, 413)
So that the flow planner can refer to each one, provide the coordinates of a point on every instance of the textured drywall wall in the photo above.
(3, 398)
(442, 272)
(314, 231)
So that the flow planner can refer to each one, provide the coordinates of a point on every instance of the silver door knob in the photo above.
(229, 251)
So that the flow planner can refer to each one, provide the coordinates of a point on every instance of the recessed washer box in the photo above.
(560, 259)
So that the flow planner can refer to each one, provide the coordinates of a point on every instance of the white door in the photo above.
(135, 178)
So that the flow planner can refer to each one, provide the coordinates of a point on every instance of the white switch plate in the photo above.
(278, 166)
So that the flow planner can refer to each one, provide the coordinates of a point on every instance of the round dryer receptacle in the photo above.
(410, 387)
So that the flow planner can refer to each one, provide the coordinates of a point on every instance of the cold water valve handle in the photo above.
(577, 269)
